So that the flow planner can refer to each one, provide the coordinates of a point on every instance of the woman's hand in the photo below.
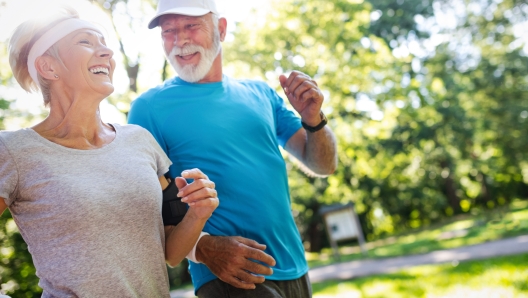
(203, 200)
(200, 194)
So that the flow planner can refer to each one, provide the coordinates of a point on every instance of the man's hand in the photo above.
(200, 194)
(304, 95)
(232, 260)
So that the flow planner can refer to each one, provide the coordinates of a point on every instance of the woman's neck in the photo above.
(75, 122)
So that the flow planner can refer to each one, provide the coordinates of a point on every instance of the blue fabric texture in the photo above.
(232, 131)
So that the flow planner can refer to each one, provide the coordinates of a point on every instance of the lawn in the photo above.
(498, 277)
(464, 230)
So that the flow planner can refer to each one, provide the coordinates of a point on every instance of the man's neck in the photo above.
(215, 74)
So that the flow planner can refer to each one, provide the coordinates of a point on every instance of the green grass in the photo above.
(497, 277)
(461, 231)
(503, 277)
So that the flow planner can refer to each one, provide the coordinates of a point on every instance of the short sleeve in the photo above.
(162, 161)
(8, 174)
(286, 122)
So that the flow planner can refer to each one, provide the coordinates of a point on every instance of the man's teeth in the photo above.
(97, 70)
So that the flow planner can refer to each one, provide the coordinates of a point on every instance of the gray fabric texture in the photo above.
(91, 218)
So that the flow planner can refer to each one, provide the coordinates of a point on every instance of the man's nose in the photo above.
(181, 38)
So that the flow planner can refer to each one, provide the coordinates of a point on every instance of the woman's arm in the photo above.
(202, 199)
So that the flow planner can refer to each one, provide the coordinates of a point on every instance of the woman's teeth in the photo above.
(98, 70)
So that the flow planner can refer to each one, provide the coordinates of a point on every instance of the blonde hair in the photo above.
(23, 39)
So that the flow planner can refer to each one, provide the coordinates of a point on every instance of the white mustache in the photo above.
(186, 50)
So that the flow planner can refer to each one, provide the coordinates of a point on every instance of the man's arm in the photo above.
(232, 260)
(315, 150)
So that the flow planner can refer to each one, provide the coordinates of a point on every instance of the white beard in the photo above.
(194, 73)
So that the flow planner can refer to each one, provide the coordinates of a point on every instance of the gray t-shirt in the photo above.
(91, 218)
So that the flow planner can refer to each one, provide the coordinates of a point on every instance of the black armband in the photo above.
(173, 209)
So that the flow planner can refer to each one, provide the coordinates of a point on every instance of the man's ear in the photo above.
(46, 67)
(222, 26)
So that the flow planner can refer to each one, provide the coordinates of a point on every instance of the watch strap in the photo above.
(321, 124)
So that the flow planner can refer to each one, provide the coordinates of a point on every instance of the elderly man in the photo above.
(232, 130)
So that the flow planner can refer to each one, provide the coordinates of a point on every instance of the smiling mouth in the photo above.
(100, 70)
(187, 57)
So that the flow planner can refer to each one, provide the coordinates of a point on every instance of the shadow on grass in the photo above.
(407, 284)
(507, 275)
(505, 263)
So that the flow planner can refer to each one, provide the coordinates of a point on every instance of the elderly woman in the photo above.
(86, 195)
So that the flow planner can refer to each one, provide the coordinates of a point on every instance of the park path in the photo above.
(348, 270)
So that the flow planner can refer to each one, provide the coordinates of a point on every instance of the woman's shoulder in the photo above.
(129, 129)
(132, 131)
(138, 137)
(12, 137)
(14, 143)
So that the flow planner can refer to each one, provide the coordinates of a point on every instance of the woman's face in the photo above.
(88, 62)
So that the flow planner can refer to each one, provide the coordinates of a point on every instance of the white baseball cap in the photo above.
(184, 7)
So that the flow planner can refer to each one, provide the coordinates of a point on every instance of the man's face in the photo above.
(191, 44)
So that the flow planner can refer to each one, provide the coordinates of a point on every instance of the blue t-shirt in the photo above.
(231, 130)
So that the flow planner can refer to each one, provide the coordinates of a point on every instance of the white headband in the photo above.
(49, 38)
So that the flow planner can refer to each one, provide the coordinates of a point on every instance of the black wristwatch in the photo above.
(318, 126)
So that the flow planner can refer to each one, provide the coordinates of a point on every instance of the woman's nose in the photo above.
(106, 52)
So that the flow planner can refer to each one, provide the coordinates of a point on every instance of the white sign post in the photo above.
(342, 223)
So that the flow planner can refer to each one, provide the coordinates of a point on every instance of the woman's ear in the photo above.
(46, 67)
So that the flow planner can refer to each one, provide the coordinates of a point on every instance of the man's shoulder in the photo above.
(252, 83)
(155, 92)
(256, 86)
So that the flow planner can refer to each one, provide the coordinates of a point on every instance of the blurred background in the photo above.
(429, 102)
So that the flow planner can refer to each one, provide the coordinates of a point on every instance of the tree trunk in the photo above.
(164, 73)
(454, 201)
(450, 189)
(314, 231)
(484, 189)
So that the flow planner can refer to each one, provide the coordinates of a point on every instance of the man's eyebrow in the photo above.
(194, 17)
(188, 18)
